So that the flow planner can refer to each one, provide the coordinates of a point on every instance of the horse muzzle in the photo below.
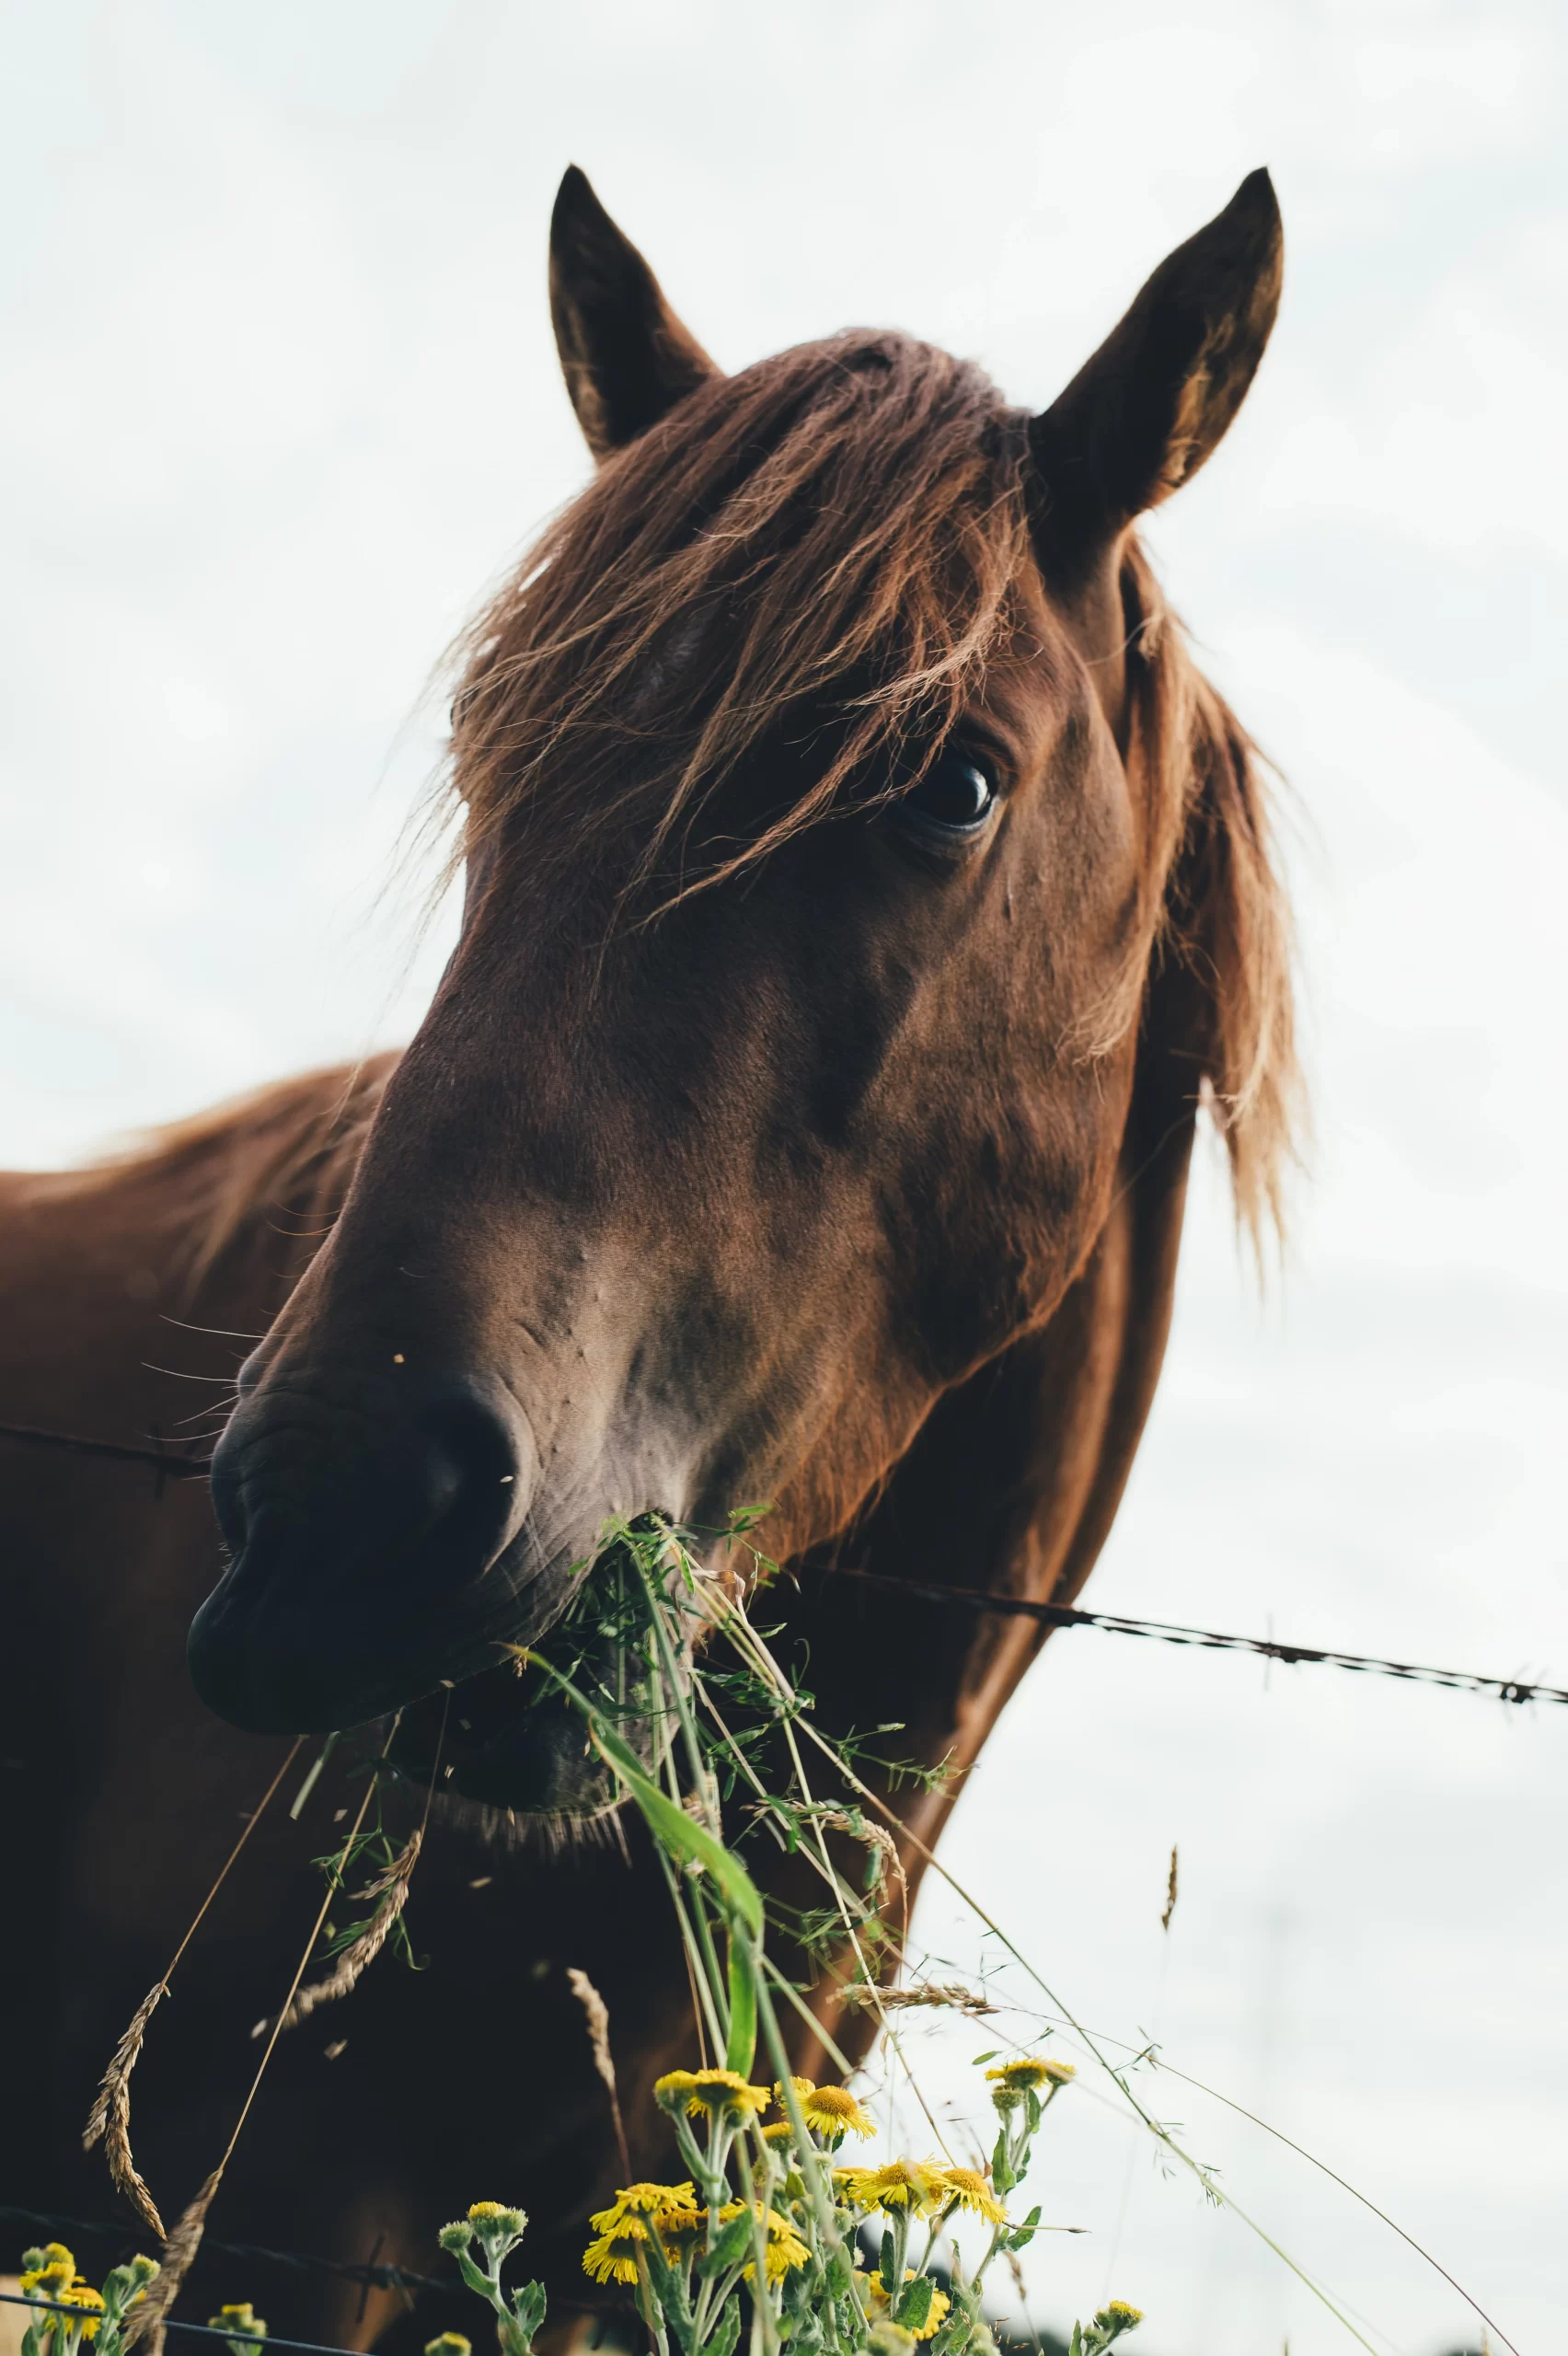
(381, 1547)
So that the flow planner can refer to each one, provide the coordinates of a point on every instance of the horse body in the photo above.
(127, 1792)
(853, 1176)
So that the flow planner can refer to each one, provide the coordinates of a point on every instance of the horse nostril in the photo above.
(361, 1519)
(472, 1458)
(327, 1471)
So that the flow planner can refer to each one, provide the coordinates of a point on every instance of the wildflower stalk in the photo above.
(1162, 2133)
(498, 2230)
(767, 2208)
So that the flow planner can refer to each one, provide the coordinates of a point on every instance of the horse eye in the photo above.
(955, 797)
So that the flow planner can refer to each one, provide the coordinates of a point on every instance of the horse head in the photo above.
(842, 817)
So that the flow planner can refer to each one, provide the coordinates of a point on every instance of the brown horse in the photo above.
(863, 890)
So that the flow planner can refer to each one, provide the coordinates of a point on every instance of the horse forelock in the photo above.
(839, 528)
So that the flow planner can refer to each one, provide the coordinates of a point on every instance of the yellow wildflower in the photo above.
(82, 2294)
(56, 2271)
(915, 2185)
(1119, 2313)
(711, 2090)
(497, 2225)
(643, 2201)
(613, 2257)
(242, 2320)
(672, 2091)
(680, 2232)
(968, 2189)
(1033, 2070)
(450, 2343)
(786, 2250)
(830, 2111)
(779, 2132)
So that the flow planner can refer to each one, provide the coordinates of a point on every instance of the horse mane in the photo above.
(288, 1149)
(1224, 924)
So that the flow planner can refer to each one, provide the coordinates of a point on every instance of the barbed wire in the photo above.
(172, 1466)
(369, 2276)
(169, 1463)
(1174, 1632)
(231, 2332)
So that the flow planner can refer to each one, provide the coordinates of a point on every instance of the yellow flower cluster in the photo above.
(57, 2271)
(58, 2281)
(241, 2319)
(670, 2212)
(918, 2186)
(831, 2112)
(710, 2091)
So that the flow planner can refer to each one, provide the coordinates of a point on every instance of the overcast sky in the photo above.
(277, 400)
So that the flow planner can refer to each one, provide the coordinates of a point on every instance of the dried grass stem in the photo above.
(390, 1889)
(598, 2016)
(109, 2118)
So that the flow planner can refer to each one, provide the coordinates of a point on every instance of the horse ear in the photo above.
(1139, 418)
(627, 358)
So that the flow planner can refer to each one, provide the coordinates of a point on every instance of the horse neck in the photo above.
(1011, 1486)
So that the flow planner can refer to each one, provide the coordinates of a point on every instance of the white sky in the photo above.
(277, 397)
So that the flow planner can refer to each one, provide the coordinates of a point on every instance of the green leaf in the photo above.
(888, 2265)
(529, 2303)
(669, 1824)
(732, 2245)
(670, 2291)
(1002, 2176)
(722, 2339)
(474, 2278)
(986, 2057)
(1023, 2233)
(916, 2304)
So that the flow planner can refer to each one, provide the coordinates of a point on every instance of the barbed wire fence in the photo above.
(168, 1463)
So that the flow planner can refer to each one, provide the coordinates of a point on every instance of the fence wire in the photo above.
(171, 1464)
